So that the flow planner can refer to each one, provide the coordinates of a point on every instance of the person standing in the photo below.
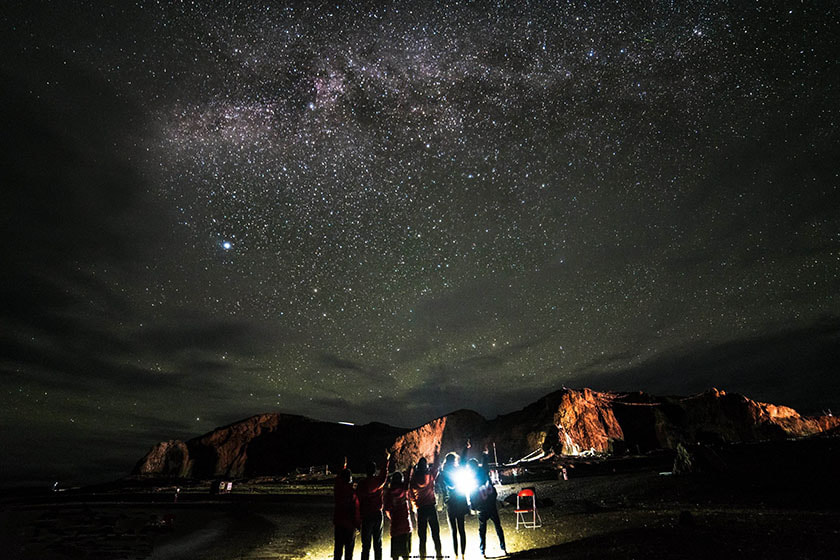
(370, 505)
(483, 499)
(456, 503)
(346, 516)
(422, 489)
(398, 509)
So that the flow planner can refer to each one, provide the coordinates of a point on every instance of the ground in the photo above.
(785, 508)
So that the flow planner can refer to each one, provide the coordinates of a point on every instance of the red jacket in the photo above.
(398, 508)
(370, 493)
(422, 488)
(346, 506)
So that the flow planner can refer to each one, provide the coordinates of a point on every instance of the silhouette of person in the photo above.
(398, 509)
(456, 502)
(346, 516)
(369, 491)
(422, 489)
(483, 499)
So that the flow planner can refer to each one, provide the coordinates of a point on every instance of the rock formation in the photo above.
(438, 437)
(566, 422)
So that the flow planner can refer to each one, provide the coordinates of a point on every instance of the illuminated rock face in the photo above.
(438, 437)
(566, 422)
(168, 458)
(571, 422)
(585, 422)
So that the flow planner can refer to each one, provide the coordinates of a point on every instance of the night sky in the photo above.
(368, 211)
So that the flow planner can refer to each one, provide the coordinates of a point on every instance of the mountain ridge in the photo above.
(563, 422)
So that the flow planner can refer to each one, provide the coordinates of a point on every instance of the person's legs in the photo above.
(482, 530)
(422, 522)
(453, 522)
(401, 546)
(366, 535)
(376, 536)
(344, 539)
(434, 526)
(407, 546)
(339, 544)
(494, 515)
(463, 530)
(396, 549)
(348, 546)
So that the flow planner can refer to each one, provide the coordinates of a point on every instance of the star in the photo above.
(453, 204)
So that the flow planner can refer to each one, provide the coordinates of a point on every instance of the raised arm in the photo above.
(382, 480)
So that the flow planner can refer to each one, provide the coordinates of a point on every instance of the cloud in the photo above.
(204, 334)
(73, 196)
(333, 361)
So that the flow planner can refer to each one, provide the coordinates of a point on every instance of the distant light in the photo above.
(226, 245)
(465, 482)
(347, 423)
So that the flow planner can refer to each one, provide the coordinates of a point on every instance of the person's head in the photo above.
(396, 478)
(422, 465)
(450, 461)
(345, 476)
(370, 468)
(473, 464)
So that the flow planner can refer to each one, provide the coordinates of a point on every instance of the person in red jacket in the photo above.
(398, 509)
(346, 517)
(369, 491)
(422, 489)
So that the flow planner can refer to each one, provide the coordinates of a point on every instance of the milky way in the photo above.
(355, 211)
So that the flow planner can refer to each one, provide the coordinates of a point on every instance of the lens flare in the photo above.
(465, 482)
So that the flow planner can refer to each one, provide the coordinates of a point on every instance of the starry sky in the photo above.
(387, 211)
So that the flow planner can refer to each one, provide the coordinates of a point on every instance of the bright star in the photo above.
(226, 245)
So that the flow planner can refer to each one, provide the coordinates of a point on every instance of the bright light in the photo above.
(465, 482)
(226, 245)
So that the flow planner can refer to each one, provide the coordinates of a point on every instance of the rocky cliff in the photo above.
(566, 422)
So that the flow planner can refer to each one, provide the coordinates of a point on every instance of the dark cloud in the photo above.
(207, 334)
(74, 195)
(332, 361)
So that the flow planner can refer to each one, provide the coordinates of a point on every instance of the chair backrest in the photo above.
(525, 492)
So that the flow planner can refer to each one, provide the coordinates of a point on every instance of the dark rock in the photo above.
(697, 458)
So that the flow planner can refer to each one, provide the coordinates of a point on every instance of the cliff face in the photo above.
(566, 422)
(438, 437)
(585, 420)
(168, 458)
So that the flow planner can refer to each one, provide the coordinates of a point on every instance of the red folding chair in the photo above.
(526, 515)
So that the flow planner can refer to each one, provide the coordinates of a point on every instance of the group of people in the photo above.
(402, 496)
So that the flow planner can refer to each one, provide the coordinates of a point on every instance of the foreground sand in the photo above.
(767, 509)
